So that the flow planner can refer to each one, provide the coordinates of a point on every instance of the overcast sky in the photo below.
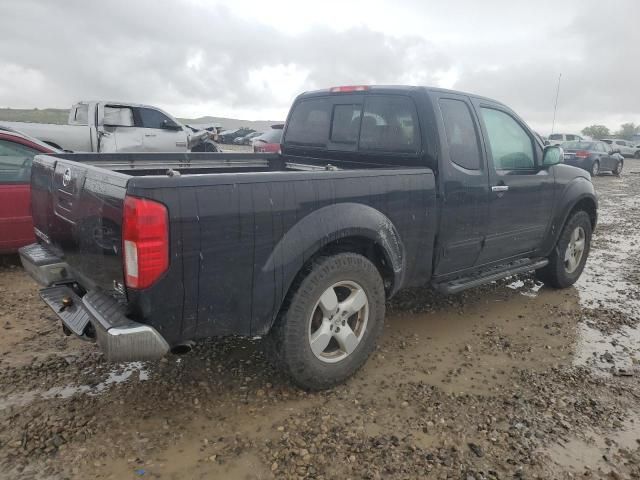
(248, 58)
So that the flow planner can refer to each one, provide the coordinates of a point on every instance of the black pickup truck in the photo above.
(376, 189)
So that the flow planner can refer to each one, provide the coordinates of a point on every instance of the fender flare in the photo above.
(576, 191)
(308, 237)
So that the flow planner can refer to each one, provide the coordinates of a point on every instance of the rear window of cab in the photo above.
(381, 123)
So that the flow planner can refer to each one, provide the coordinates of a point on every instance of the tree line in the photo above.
(626, 131)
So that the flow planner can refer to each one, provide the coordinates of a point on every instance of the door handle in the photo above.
(500, 188)
(149, 134)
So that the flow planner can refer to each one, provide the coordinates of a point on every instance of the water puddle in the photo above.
(117, 375)
(617, 353)
(607, 279)
(528, 289)
(598, 452)
(611, 277)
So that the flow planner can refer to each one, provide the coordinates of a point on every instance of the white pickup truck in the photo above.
(99, 126)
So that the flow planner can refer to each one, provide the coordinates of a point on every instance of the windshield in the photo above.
(578, 145)
(555, 136)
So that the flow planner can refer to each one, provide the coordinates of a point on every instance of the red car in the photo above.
(16, 154)
(269, 141)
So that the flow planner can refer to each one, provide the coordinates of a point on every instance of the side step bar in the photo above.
(487, 276)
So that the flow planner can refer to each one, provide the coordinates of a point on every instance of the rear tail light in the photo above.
(349, 88)
(145, 240)
(582, 154)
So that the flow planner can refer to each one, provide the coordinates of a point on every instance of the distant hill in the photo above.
(35, 115)
(60, 115)
(230, 123)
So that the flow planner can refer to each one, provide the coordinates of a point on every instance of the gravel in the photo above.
(509, 380)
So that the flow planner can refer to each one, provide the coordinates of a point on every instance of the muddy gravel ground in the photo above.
(511, 380)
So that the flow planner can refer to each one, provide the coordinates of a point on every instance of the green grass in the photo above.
(47, 115)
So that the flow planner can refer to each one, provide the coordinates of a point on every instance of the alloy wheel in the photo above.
(338, 321)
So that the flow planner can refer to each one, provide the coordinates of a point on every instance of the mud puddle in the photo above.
(117, 375)
(615, 353)
(597, 453)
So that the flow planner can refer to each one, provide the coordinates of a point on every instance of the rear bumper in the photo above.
(95, 313)
(584, 163)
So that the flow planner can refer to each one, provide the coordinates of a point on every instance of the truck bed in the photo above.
(146, 164)
(240, 227)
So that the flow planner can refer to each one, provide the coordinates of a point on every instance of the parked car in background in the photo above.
(228, 136)
(99, 126)
(542, 138)
(269, 141)
(594, 157)
(559, 138)
(16, 154)
(247, 139)
(626, 147)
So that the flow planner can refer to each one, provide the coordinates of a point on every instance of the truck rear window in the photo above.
(346, 123)
(309, 123)
(390, 124)
(387, 123)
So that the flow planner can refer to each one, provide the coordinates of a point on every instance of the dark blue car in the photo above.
(595, 157)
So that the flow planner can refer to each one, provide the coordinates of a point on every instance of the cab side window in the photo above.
(511, 146)
(15, 162)
(115, 116)
(462, 138)
(151, 118)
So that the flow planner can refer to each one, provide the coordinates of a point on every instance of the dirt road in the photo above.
(512, 380)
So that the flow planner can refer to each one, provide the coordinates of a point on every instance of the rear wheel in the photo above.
(568, 258)
(618, 169)
(332, 322)
(595, 168)
(637, 154)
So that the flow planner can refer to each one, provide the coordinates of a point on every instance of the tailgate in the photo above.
(77, 212)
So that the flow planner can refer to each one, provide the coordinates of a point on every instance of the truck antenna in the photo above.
(555, 107)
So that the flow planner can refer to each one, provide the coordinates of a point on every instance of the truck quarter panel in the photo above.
(227, 226)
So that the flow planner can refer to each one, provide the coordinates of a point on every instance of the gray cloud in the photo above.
(179, 54)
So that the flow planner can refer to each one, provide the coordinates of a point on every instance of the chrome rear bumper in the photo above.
(120, 338)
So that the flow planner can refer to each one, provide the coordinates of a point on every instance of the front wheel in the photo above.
(569, 257)
(618, 170)
(595, 169)
(332, 322)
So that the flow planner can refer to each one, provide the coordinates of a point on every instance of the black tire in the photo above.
(595, 168)
(556, 273)
(637, 154)
(288, 343)
(618, 170)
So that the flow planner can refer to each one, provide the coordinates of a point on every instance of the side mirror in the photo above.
(553, 155)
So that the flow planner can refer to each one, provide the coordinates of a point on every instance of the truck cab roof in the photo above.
(389, 89)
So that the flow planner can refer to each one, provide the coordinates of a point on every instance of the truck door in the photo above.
(160, 132)
(521, 193)
(119, 132)
(464, 186)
